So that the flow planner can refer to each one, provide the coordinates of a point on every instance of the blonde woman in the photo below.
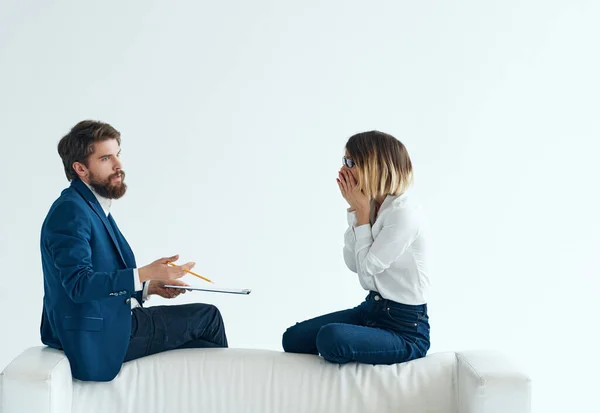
(385, 246)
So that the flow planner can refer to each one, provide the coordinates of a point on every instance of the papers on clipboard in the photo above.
(212, 290)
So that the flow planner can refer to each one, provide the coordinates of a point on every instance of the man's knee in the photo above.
(208, 312)
(210, 324)
(205, 318)
(213, 310)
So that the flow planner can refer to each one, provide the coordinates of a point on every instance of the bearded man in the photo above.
(93, 289)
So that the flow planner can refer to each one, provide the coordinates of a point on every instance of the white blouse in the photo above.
(389, 255)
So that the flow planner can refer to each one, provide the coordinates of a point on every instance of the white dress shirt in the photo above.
(106, 203)
(389, 255)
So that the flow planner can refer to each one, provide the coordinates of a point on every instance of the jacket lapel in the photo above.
(125, 248)
(97, 208)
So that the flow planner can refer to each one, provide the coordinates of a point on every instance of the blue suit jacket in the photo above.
(88, 281)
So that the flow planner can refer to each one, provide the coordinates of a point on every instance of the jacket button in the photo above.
(128, 301)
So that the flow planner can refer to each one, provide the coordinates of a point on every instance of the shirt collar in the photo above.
(105, 203)
(393, 200)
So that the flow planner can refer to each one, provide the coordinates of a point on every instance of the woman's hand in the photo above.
(357, 200)
(341, 180)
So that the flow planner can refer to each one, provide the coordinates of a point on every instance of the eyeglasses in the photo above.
(348, 162)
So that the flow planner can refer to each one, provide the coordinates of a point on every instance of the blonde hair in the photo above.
(382, 162)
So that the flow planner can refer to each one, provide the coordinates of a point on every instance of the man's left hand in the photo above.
(158, 288)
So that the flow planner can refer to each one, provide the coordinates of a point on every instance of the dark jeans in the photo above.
(169, 327)
(378, 331)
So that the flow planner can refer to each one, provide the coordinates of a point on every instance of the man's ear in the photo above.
(80, 169)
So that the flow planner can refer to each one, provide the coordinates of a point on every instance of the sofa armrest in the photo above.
(39, 380)
(489, 382)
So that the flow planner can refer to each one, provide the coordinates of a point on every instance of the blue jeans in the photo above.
(378, 331)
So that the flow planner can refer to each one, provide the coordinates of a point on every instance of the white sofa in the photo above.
(261, 381)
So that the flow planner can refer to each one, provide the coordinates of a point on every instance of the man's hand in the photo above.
(160, 270)
(158, 288)
(358, 201)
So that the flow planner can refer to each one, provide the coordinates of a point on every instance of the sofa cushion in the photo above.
(239, 380)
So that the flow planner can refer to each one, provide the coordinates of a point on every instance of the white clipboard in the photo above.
(212, 290)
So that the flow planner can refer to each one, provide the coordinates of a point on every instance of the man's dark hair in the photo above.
(78, 144)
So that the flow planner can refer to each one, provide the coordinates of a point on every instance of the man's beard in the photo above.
(106, 188)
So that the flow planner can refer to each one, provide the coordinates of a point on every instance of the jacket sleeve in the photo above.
(67, 238)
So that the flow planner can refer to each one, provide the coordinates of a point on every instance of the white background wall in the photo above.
(234, 115)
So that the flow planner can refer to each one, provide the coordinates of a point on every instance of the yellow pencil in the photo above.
(193, 273)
